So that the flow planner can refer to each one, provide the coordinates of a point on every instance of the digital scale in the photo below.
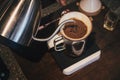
(68, 64)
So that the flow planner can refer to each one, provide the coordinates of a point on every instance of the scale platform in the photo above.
(69, 64)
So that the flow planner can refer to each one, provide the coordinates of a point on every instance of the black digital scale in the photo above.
(68, 64)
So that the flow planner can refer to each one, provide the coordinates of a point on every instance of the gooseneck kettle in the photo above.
(20, 21)
(19, 25)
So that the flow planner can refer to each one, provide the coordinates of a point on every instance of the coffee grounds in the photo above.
(75, 29)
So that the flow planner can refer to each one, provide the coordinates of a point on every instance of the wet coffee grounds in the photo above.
(75, 29)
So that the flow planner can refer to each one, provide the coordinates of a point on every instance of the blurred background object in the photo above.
(4, 72)
(62, 2)
(113, 5)
(90, 7)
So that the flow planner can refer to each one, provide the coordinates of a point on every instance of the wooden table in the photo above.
(106, 68)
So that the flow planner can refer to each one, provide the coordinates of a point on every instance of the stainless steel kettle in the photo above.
(20, 20)
(19, 23)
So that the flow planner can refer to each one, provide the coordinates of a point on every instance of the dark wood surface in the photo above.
(106, 68)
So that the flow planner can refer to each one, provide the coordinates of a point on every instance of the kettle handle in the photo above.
(55, 32)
